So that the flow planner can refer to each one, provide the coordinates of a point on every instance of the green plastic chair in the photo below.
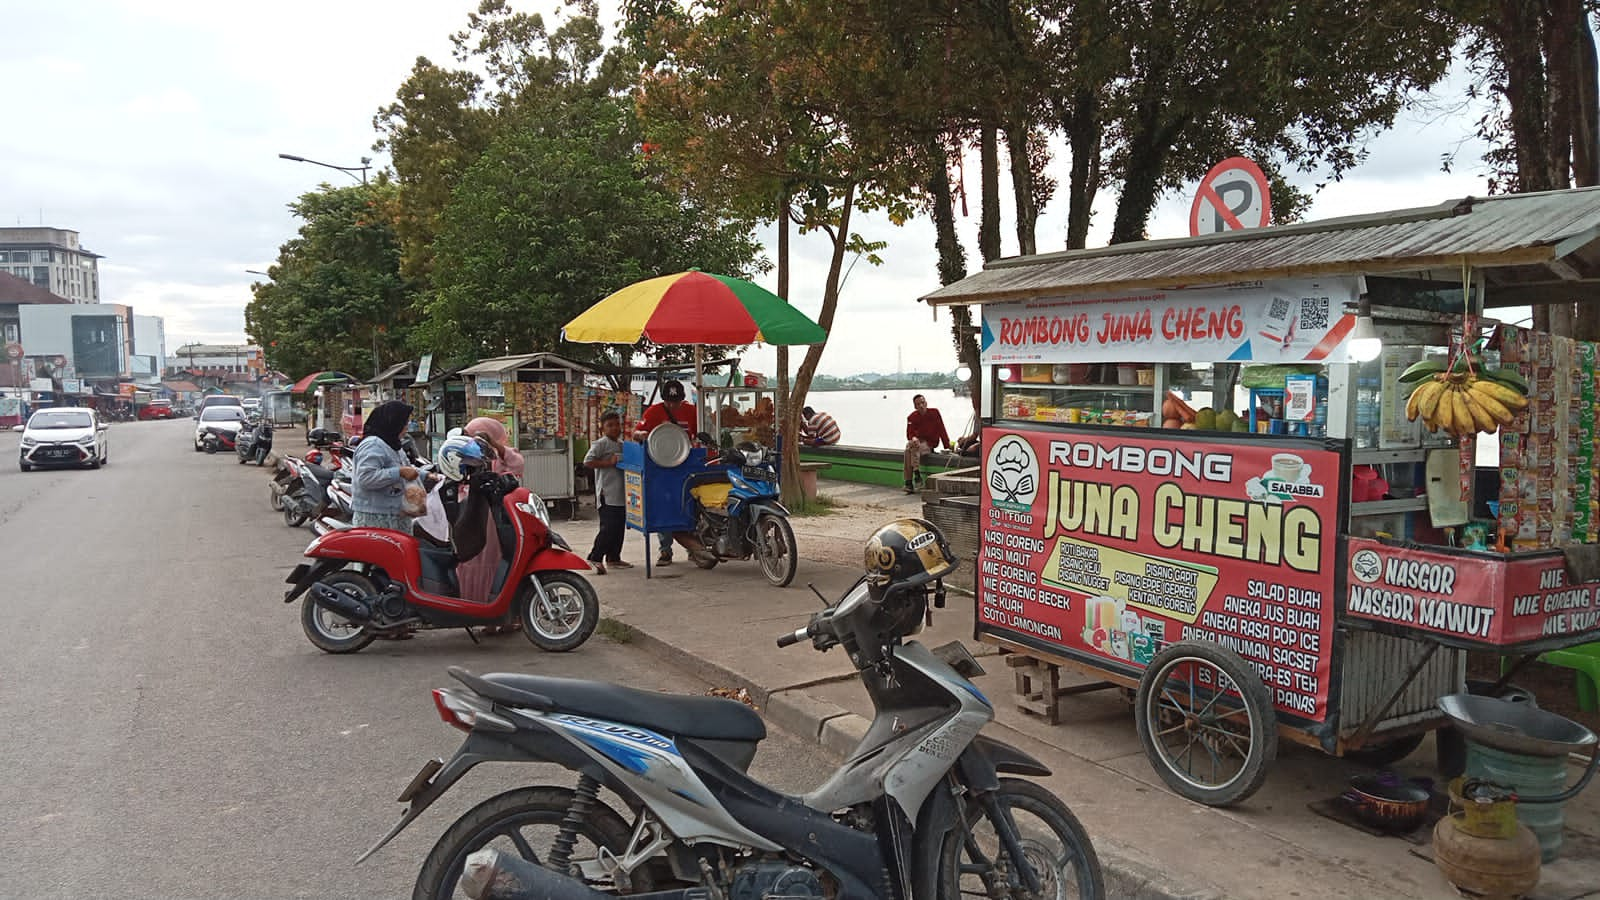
(1584, 661)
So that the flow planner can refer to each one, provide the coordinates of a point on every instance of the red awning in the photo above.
(315, 378)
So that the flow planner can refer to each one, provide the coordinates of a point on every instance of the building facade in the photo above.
(218, 358)
(51, 258)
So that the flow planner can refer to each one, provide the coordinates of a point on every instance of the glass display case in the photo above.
(1087, 394)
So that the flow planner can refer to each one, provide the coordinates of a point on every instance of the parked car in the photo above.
(156, 409)
(222, 421)
(252, 405)
(217, 400)
(64, 436)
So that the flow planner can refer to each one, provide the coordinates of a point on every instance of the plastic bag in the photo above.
(435, 522)
(414, 499)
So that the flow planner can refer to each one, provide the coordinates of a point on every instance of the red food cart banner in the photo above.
(1104, 546)
(1469, 599)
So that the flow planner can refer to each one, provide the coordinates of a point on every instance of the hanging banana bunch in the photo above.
(1463, 398)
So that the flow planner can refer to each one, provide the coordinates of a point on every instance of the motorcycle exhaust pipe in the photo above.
(492, 875)
(340, 603)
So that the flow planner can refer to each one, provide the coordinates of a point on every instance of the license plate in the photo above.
(298, 573)
(424, 777)
(57, 453)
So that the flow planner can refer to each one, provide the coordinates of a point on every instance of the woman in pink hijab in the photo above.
(476, 575)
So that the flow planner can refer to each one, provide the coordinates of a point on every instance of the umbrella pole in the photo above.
(699, 390)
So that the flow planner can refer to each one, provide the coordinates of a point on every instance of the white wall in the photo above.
(150, 339)
(46, 329)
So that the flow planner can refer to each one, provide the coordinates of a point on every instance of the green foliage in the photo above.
(336, 299)
(558, 213)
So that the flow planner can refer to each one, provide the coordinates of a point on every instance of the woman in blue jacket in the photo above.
(382, 470)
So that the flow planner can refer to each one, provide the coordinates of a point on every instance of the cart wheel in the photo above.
(1386, 753)
(1206, 722)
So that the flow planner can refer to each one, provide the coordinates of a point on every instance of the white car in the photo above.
(222, 421)
(64, 436)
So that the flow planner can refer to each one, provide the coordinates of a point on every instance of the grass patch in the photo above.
(614, 631)
(821, 506)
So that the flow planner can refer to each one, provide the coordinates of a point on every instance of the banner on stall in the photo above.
(1474, 601)
(1285, 321)
(1106, 548)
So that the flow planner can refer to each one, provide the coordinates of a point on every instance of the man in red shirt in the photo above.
(924, 433)
(672, 408)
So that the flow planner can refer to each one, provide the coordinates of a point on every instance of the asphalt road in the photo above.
(167, 731)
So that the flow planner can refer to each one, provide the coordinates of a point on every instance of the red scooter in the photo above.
(366, 583)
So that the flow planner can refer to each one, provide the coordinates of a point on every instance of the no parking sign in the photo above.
(1232, 197)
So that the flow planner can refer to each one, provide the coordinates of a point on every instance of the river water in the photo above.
(878, 418)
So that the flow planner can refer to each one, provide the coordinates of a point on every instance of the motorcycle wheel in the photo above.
(972, 863)
(331, 632)
(211, 447)
(523, 822)
(242, 458)
(775, 549)
(275, 497)
(292, 516)
(573, 614)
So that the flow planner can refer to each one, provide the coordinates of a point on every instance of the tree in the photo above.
(1535, 60)
(766, 105)
(336, 298)
(559, 212)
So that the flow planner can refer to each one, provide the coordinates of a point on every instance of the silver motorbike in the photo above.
(926, 807)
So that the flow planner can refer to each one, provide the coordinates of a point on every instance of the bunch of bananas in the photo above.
(1463, 402)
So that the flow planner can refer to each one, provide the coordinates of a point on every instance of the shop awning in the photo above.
(1535, 248)
(398, 370)
(508, 363)
(317, 378)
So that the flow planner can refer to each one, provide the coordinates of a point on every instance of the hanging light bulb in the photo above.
(963, 373)
(1364, 345)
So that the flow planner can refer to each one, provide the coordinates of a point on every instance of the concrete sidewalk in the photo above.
(722, 624)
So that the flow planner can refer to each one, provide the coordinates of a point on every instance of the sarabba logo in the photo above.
(1013, 478)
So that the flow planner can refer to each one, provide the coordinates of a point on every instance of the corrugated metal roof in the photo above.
(507, 363)
(1513, 229)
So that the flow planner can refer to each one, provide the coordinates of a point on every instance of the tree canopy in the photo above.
(337, 299)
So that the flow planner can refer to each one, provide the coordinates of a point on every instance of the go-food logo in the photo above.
(1013, 474)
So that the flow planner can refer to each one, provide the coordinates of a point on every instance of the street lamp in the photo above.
(348, 170)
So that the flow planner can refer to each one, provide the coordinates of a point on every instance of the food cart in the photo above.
(551, 411)
(1247, 528)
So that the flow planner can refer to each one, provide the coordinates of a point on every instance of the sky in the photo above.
(153, 129)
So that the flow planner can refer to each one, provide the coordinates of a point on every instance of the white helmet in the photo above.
(460, 456)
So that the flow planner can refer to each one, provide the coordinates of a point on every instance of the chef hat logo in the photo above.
(1013, 473)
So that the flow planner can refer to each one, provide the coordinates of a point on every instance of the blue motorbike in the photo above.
(737, 514)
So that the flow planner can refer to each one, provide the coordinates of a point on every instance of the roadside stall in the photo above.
(398, 382)
(1276, 514)
(551, 411)
(330, 397)
(661, 475)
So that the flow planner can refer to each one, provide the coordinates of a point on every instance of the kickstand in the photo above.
(474, 637)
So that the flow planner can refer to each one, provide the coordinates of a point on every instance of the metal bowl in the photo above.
(1515, 727)
(1388, 804)
(668, 445)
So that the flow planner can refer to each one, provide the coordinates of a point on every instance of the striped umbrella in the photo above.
(693, 307)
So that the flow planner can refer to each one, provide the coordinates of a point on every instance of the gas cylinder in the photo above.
(1482, 848)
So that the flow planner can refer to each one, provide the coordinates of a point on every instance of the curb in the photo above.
(1128, 873)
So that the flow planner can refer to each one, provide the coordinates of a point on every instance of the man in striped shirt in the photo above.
(819, 429)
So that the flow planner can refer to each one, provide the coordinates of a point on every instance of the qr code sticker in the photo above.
(1279, 309)
(1313, 313)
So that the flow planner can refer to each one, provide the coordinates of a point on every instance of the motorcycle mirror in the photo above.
(818, 593)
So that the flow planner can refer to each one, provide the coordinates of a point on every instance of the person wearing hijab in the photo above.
(377, 487)
(507, 461)
(476, 574)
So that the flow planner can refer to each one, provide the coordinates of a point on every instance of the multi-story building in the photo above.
(53, 259)
(218, 359)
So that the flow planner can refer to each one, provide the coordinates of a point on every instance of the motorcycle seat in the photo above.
(705, 718)
(321, 474)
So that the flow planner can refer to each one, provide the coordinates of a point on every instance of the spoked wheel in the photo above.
(331, 632)
(523, 823)
(1206, 722)
(973, 863)
(567, 615)
(775, 549)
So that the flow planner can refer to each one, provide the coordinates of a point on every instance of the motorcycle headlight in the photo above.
(535, 507)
